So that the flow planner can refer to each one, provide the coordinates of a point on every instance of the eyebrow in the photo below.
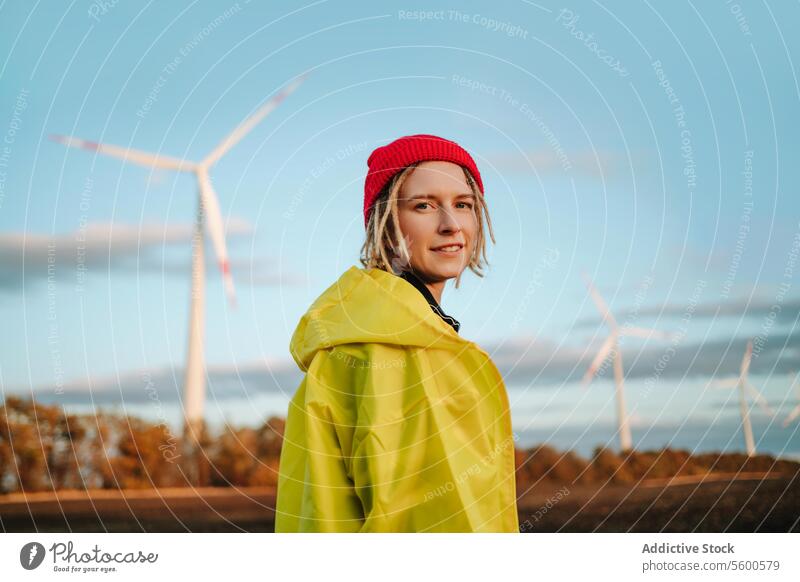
(424, 196)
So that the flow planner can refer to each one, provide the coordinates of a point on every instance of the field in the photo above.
(716, 503)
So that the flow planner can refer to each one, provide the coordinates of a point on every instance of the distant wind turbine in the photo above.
(796, 410)
(611, 347)
(208, 214)
(744, 385)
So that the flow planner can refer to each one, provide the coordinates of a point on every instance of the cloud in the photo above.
(531, 360)
(165, 384)
(788, 311)
(29, 259)
(257, 272)
(523, 360)
(547, 161)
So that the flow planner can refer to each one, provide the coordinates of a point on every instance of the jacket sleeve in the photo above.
(315, 491)
(401, 468)
(366, 448)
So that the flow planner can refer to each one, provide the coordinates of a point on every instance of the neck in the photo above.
(435, 287)
(436, 290)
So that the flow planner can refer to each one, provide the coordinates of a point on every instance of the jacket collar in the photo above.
(420, 285)
(376, 306)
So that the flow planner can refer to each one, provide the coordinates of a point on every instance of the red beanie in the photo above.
(388, 160)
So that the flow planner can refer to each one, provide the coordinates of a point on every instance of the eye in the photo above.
(468, 204)
(420, 204)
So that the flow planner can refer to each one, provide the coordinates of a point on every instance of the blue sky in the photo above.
(648, 144)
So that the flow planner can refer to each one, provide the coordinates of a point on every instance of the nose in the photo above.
(448, 222)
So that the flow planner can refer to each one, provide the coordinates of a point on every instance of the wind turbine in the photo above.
(743, 384)
(611, 347)
(796, 410)
(208, 215)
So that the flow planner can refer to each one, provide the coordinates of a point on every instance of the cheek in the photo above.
(416, 229)
(470, 227)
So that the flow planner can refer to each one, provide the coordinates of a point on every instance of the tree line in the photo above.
(42, 447)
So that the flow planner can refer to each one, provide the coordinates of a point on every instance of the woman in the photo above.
(400, 424)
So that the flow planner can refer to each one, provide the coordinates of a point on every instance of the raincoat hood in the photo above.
(347, 312)
(399, 424)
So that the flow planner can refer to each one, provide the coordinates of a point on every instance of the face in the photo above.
(436, 208)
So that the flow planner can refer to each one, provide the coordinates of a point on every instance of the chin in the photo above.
(446, 272)
(438, 269)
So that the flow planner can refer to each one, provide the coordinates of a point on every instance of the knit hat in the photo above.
(386, 161)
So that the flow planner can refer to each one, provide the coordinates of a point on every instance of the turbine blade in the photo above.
(748, 355)
(600, 302)
(601, 356)
(792, 415)
(762, 402)
(215, 229)
(129, 155)
(246, 126)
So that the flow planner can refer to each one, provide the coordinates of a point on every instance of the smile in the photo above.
(450, 250)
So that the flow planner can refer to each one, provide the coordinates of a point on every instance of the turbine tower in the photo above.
(611, 347)
(210, 217)
(743, 384)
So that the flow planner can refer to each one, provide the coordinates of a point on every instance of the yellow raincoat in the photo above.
(400, 424)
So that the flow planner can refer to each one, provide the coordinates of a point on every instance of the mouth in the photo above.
(450, 250)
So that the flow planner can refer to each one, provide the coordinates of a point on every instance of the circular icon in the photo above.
(31, 555)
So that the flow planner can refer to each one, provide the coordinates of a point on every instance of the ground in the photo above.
(717, 504)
